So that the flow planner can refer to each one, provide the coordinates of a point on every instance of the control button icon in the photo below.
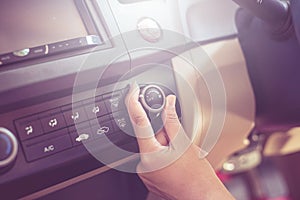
(82, 137)
(53, 122)
(29, 127)
(75, 116)
(5, 58)
(47, 145)
(122, 122)
(49, 148)
(96, 109)
(79, 136)
(29, 130)
(114, 102)
(103, 130)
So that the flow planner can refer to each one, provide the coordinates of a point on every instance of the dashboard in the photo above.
(64, 67)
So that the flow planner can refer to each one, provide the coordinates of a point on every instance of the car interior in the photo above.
(65, 69)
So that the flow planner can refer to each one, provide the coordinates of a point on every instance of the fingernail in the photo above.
(132, 86)
(133, 91)
(171, 101)
(129, 91)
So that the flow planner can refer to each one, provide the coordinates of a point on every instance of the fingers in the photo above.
(147, 141)
(170, 118)
(140, 122)
(162, 138)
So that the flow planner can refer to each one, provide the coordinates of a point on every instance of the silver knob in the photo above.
(153, 98)
(149, 29)
(8, 147)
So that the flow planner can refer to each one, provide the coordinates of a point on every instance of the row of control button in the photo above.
(66, 138)
(56, 130)
(57, 119)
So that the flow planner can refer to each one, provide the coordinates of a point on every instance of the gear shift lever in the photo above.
(275, 13)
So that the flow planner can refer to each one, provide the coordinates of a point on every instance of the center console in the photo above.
(53, 103)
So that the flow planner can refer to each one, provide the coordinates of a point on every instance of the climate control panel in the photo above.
(65, 127)
(52, 131)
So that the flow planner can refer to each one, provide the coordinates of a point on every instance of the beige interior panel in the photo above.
(240, 106)
(283, 143)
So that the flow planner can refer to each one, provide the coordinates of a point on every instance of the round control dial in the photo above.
(153, 98)
(8, 147)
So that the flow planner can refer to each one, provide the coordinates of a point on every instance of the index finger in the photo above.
(140, 122)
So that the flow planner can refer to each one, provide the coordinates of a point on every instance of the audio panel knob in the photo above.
(8, 147)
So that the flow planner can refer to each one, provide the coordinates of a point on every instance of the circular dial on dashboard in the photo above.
(8, 147)
(153, 98)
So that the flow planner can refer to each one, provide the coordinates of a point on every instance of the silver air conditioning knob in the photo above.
(153, 98)
(8, 147)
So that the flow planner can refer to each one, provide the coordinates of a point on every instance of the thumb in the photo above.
(171, 122)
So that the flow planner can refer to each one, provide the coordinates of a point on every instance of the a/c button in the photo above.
(47, 147)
